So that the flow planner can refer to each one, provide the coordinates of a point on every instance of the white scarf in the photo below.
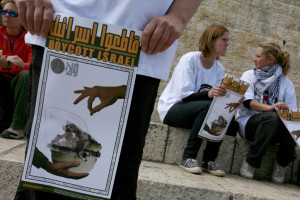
(268, 78)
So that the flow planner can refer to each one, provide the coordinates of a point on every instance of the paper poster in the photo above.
(291, 120)
(222, 109)
(87, 65)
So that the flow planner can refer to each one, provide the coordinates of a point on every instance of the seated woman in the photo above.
(14, 76)
(258, 120)
(187, 97)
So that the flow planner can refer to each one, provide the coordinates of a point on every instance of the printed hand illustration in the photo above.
(107, 96)
(296, 133)
(233, 106)
(61, 169)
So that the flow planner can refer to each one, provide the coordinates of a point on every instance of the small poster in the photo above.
(83, 101)
(222, 109)
(291, 120)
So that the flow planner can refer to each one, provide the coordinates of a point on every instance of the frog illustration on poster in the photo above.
(84, 97)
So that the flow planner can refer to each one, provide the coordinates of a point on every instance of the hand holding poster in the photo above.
(222, 109)
(83, 102)
(291, 120)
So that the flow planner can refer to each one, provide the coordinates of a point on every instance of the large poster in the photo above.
(222, 109)
(291, 120)
(83, 100)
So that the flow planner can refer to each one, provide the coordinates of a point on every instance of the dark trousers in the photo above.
(13, 101)
(191, 115)
(6, 103)
(142, 105)
(264, 129)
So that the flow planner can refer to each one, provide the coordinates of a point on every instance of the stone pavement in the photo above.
(159, 181)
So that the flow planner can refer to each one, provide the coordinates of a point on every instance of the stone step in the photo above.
(169, 182)
(159, 180)
(165, 144)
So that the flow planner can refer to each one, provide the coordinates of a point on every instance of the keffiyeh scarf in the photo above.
(268, 78)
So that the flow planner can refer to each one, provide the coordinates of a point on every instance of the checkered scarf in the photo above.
(268, 78)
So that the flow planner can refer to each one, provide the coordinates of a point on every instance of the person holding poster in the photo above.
(186, 99)
(257, 117)
(162, 23)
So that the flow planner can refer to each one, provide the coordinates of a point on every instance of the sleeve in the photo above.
(289, 96)
(182, 83)
(39, 159)
(196, 97)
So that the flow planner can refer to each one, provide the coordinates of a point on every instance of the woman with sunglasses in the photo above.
(14, 76)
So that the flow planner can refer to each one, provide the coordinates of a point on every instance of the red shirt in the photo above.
(20, 49)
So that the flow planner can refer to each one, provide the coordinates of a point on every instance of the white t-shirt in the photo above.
(134, 14)
(286, 94)
(188, 77)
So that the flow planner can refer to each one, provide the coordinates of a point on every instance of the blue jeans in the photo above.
(191, 115)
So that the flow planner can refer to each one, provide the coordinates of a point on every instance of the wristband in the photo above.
(8, 65)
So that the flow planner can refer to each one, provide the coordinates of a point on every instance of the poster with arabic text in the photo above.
(291, 120)
(222, 109)
(84, 95)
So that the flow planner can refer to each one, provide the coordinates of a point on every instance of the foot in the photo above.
(11, 133)
(212, 168)
(278, 174)
(190, 165)
(247, 171)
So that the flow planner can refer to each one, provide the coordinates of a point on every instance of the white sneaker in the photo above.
(247, 171)
(278, 174)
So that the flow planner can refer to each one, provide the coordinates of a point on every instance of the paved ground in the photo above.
(159, 181)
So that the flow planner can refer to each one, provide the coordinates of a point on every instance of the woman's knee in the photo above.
(272, 118)
(24, 75)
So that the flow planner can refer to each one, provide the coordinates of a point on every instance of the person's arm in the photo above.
(196, 97)
(3, 62)
(58, 169)
(161, 32)
(255, 105)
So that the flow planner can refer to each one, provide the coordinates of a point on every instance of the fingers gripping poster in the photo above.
(222, 109)
(83, 100)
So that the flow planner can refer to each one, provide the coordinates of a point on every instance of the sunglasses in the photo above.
(11, 13)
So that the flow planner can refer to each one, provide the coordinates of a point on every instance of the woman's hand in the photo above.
(217, 90)
(280, 105)
(16, 60)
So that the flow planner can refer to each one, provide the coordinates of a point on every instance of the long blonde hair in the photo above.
(281, 57)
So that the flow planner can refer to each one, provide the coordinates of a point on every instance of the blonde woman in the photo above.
(258, 120)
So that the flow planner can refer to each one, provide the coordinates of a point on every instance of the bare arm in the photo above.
(255, 105)
(161, 32)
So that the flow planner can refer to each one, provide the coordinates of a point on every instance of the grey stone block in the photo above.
(240, 151)
(156, 140)
(10, 174)
(225, 156)
(175, 145)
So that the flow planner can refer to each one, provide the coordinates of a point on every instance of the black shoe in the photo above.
(12, 134)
